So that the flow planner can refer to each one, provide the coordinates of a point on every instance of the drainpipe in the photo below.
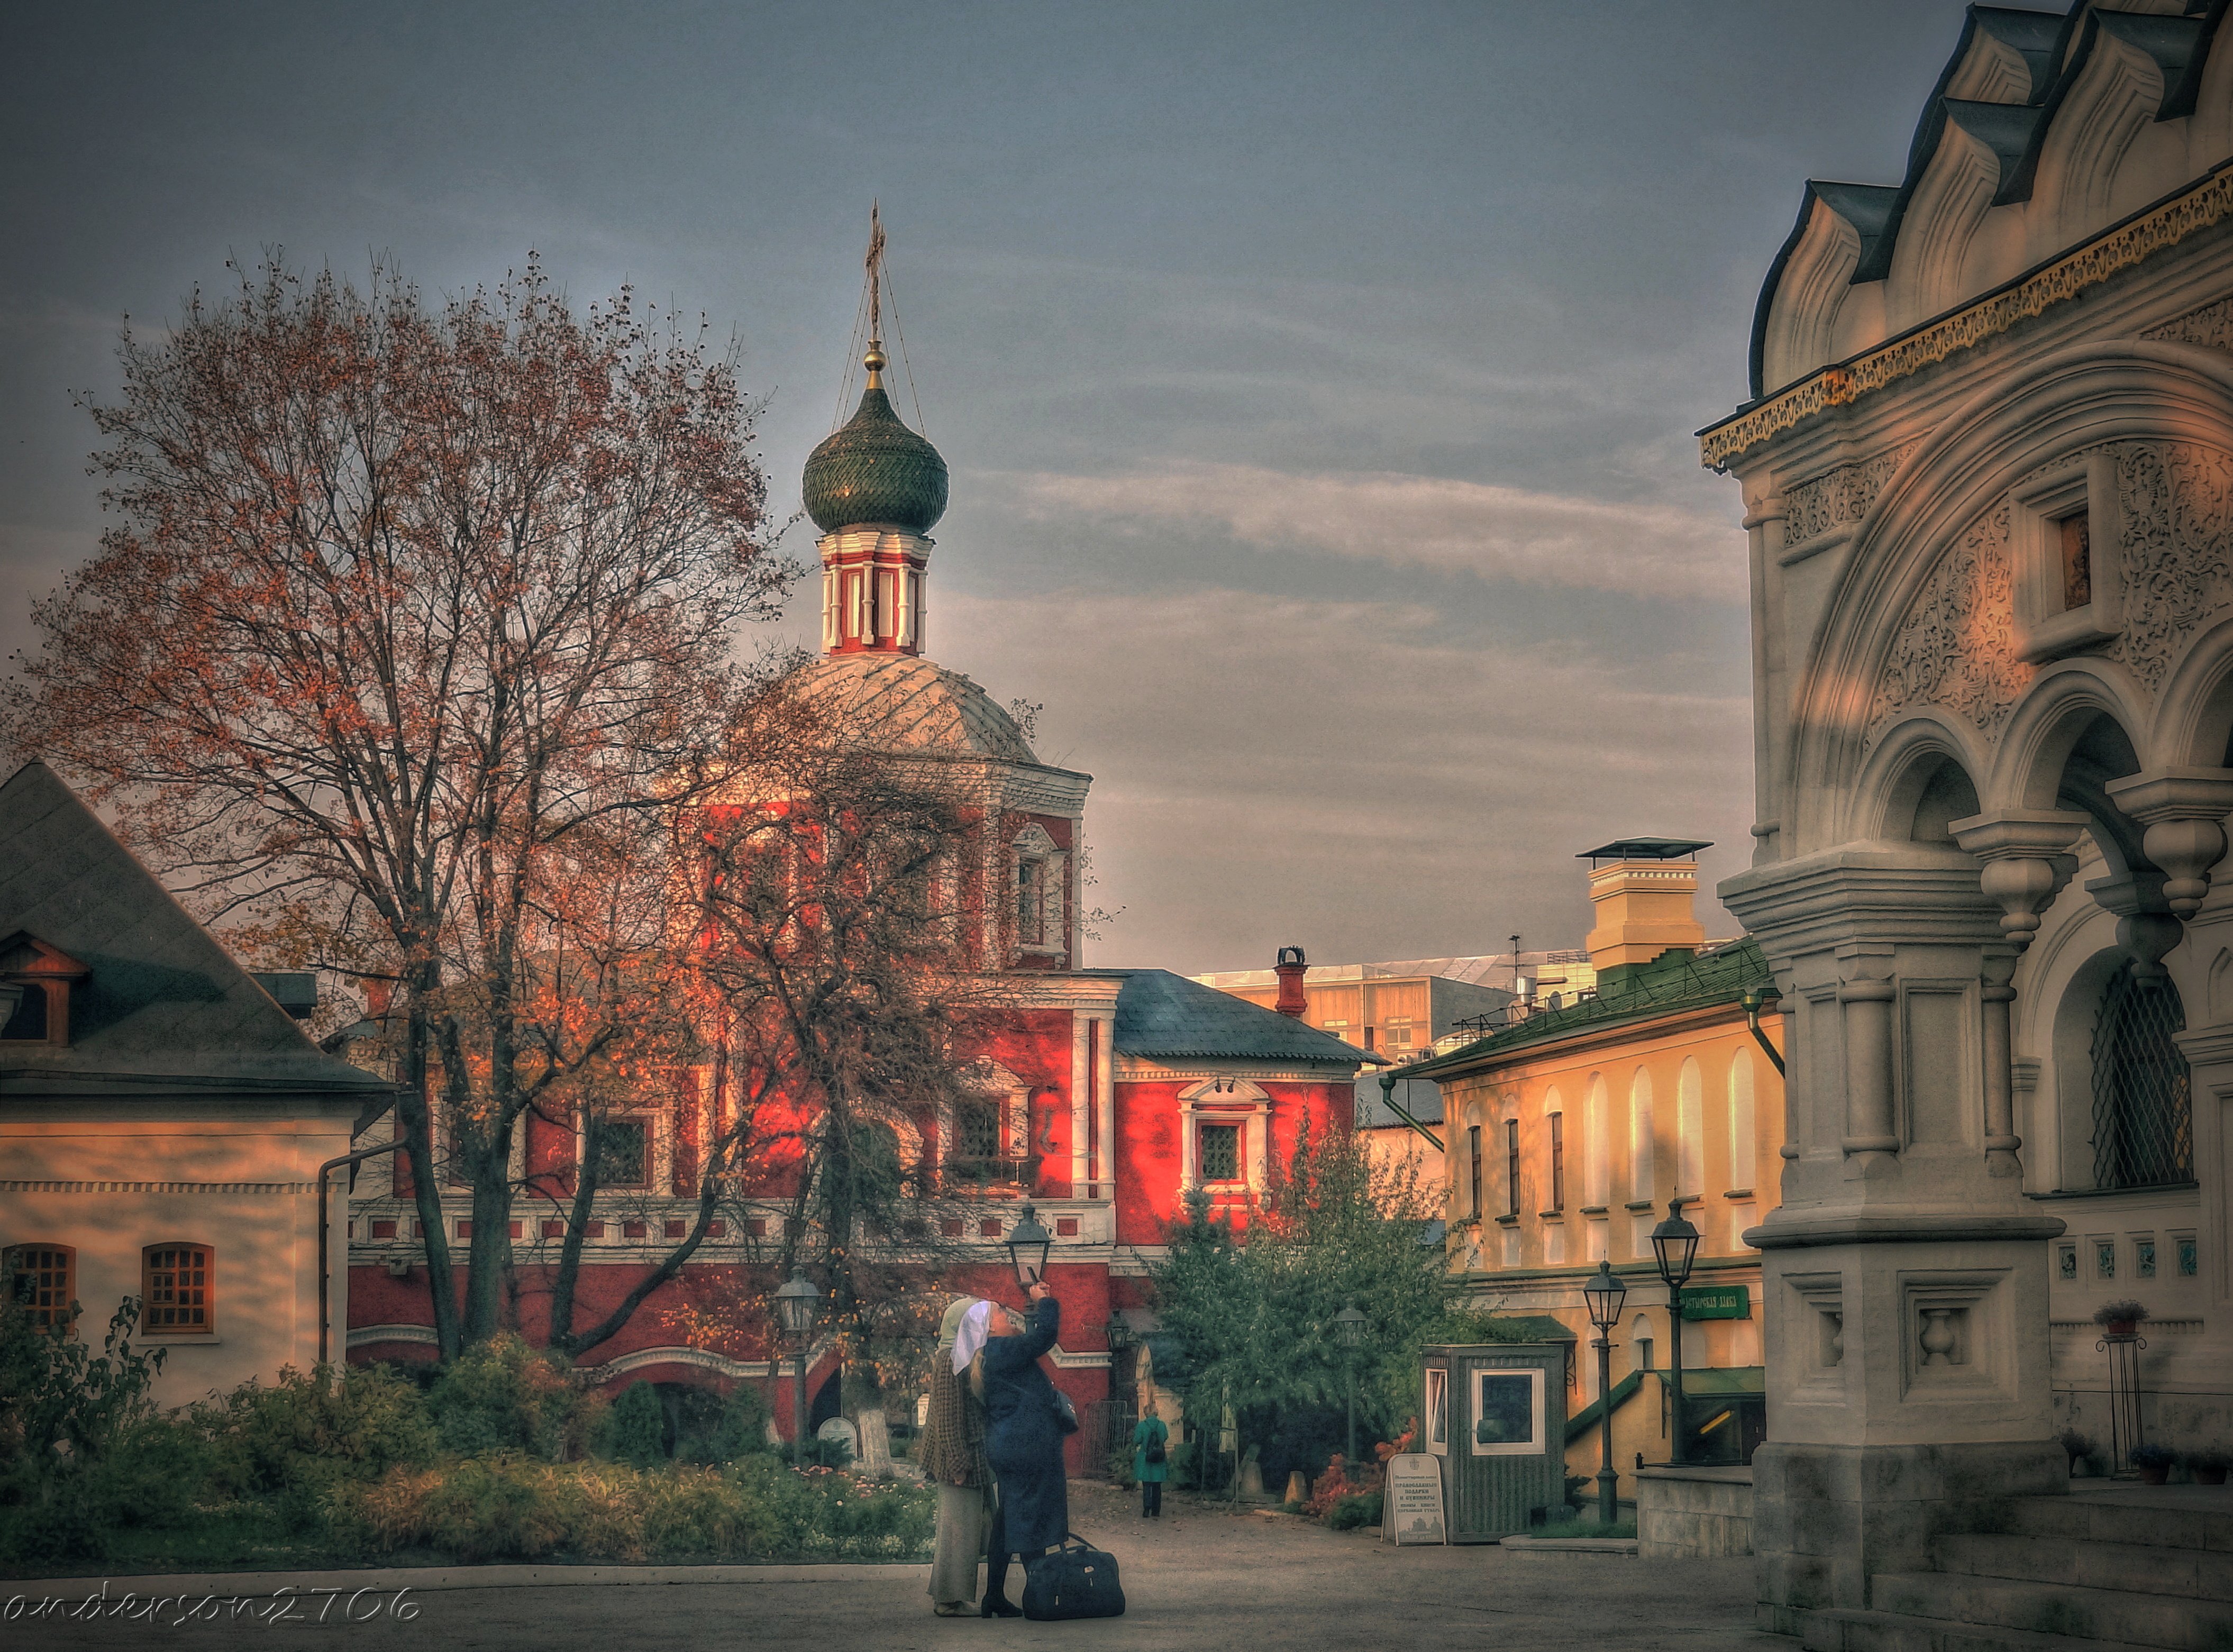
(1388, 1101)
(1755, 998)
(325, 1180)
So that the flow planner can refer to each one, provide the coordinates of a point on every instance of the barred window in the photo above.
(1220, 1153)
(42, 1280)
(977, 1130)
(2143, 1094)
(624, 1152)
(178, 1287)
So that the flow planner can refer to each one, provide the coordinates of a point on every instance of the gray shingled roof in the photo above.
(1161, 1014)
(165, 1008)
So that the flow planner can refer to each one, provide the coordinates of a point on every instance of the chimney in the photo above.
(1642, 888)
(1293, 999)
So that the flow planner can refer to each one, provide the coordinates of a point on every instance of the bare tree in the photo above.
(405, 608)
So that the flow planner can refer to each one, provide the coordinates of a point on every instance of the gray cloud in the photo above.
(1485, 528)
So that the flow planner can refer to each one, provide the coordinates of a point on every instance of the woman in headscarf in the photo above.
(953, 1459)
(1023, 1442)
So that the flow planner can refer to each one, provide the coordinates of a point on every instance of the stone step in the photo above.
(2112, 1519)
(1840, 1630)
(2197, 1574)
(2057, 1609)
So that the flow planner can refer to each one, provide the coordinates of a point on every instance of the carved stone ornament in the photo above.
(2211, 326)
(2176, 500)
(1838, 496)
(1957, 647)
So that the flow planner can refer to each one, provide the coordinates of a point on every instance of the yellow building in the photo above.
(1569, 1131)
(1395, 1010)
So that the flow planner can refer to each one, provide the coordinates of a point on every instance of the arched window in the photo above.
(1596, 1144)
(1639, 1342)
(1639, 1135)
(42, 1282)
(178, 1284)
(1744, 1121)
(1690, 1127)
(2143, 1095)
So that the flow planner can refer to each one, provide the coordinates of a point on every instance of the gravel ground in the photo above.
(1201, 1578)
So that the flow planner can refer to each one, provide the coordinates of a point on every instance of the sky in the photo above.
(1318, 381)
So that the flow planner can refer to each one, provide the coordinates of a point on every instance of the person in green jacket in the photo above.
(1151, 1446)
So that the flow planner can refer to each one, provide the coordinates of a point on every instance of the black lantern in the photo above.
(1674, 1244)
(1119, 1332)
(795, 1300)
(1350, 1326)
(1604, 1295)
(1028, 1245)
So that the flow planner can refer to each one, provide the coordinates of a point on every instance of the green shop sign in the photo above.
(1716, 1302)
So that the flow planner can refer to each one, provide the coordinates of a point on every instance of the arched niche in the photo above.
(2193, 723)
(1920, 786)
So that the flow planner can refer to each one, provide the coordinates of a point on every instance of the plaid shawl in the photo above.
(954, 1437)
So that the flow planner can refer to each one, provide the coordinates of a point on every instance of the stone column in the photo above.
(2028, 861)
(1903, 1288)
(1081, 1066)
(1104, 1102)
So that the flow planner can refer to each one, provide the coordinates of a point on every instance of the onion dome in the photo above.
(874, 469)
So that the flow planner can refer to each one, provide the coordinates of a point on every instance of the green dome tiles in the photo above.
(875, 469)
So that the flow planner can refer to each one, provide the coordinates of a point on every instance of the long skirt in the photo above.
(964, 1515)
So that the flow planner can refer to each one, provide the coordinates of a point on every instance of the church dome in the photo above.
(875, 469)
(902, 702)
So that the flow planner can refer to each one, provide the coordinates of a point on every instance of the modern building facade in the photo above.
(1988, 475)
(1395, 1010)
(1572, 1131)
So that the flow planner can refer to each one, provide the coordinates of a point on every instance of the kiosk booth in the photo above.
(1495, 1414)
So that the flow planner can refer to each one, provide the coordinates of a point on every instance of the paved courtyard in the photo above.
(1202, 1579)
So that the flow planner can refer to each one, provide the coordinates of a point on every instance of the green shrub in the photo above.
(715, 1430)
(1362, 1508)
(1120, 1467)
(633, 1429)
(504, 1395)
(307, 1430)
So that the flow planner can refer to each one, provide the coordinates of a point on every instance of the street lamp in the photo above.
(1028, 1245)
(795, 1300)
(1349, 1326)
(1604, 1295)
(1675, 1246)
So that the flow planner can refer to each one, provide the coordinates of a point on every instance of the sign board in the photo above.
(839, 1428)
(1716, 1302)
(1411, 1508)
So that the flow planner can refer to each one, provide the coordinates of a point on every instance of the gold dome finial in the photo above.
(874, 360)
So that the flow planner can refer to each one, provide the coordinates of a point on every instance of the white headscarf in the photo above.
(975, 1328)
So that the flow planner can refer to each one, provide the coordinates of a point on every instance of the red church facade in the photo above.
(1111, 1093)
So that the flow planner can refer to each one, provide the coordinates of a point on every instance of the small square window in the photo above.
(383, 1227)
(2189, 1258)
(2065, 1264)
(1065, 1226)
(717, 1229)
(1220, 1151)
(593, 1230)
(2144, 1258)
(634, 1230)
(677, 1229)
(2105, 1259)
(756, 1227)
(553, 1228)
(465, 1230)
(514, 1228)
(951, 1228)
(989, 1228)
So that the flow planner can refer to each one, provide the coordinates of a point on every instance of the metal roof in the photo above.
(1646, 849)
(1161, 1014)
(164, 1008)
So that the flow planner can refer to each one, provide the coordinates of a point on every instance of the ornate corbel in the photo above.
(2145, 929)
(2183, 811)
(2028, 860)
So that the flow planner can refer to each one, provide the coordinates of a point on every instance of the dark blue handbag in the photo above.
(1074, 1581)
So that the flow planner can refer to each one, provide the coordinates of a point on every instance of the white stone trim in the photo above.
(1104, 1102)
(282, 1189)
(1087, 1360)
(361, 1336)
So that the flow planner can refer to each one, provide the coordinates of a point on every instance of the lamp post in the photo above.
(1349, 1326)
(1604, 1295)
(1675, 1246)
(1028, 1244)
(795, 1300)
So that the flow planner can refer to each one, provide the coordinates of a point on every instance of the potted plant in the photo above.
(2079, 1446)
(2209, 1466)
(2152, 1462)
(2120, 1318)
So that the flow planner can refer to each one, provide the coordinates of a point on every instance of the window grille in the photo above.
(624, 1153)
(39, 1283)
(2143, 1099)
(977, 1130)
(178, 1283)
(1220, 1153)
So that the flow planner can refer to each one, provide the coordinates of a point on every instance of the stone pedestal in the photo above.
(1903, 1276)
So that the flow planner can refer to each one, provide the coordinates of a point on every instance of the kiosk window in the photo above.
(1507, 1413)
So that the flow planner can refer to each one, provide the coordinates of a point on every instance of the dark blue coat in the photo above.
(1023, 1441)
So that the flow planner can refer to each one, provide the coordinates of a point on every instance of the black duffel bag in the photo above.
(1074, 1581)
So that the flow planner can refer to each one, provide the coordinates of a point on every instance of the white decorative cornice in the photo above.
(282, 1189)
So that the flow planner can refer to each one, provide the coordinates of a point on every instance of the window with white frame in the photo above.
(1038, 881)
